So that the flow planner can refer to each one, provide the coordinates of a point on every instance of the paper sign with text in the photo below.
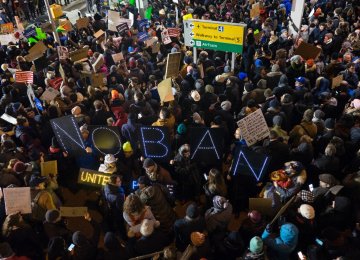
(17, 200)
(117, 57)
(253, 127)
(173, 65)
(8, 118)
(49, 94)
(165, 90)
(79, 54)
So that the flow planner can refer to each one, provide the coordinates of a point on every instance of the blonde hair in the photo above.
(216, 182)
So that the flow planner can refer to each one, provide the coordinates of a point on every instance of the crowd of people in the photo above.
(313, 177)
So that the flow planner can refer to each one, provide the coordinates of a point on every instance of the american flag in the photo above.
(174, 32)
(24, 77)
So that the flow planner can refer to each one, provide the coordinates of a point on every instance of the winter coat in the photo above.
(157, 198)
(282, 246)
(183, 229)
(217, 220)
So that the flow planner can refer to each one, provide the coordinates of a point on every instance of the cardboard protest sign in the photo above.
(68, 135)
(5, 39)
(49, 167)
(19, 24)
(17, 200)
(93, 178)
(165, 37)
(206, 145)
(255, 10)
(69, 212)
(7, 28)
(105, 139)
(264, 206)
(80, 54)
(165, 90)
(82, 23)
(249, 163)
(49, 94)
(98, 63)
(337, 81)
(36, 51)
(98, 34)
(9, 119)
(123, 27)
(253, 127)
(63, 52)
(97, 79)
(172, 65)
(118, 57)
(155, 142)
(307, 51)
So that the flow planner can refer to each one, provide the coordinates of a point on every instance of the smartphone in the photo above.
(319, 242)
(311, 187)
(300, 254)
(71, 247)
(205, 176)
(135, 185)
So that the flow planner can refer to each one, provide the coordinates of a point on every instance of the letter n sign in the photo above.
(68, 135)
(250, 163)
(155, 142)
(206, 144)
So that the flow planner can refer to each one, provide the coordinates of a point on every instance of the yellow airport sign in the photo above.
(214, 35)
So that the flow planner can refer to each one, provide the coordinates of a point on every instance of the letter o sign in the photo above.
(106, 141)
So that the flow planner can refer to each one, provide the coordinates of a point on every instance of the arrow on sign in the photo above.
(192, 42)
(192, 34)
(191, 25)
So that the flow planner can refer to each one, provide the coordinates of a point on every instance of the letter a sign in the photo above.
(206, 145)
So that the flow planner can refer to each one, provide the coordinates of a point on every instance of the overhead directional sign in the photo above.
(214, 35)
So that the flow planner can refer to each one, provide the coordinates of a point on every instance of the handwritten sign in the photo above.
(253, 127)
(63, 52)
(123, 27)
(36, 51)
(165, 37)
(49, 167)
(173, 65)
(79, 54)
(93, 178)
(17, 200)
(49, 94)
(118, 57)
(7, 28)
(73, 211)
(255, 10)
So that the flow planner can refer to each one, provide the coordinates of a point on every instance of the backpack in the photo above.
(38, 212)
